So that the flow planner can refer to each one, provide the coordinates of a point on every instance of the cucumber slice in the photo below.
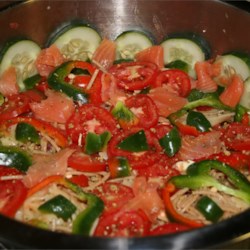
(77, 41)
(189, 48)
(234, 63)
(245, 99)
(22, 55)
(130, 42)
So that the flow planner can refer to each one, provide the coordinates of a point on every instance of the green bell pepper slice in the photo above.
(56, 81)
(136, 142)
(26, 133)
(210, 100)
(178, 64)
(1, 99)
(95, 143)
(15, 157)
(119, 167)
(123, 115)
(199, 121)
(84, 221)
(240, 111)
(209, 208)
(31, 81)
(60, 206)
(198, 177)
(171, 142)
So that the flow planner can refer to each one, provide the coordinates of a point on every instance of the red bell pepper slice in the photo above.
(43, 127)
(166, 194)
(187, 129)
(134, 75)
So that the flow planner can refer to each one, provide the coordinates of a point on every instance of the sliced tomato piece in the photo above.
(86, 163)
(153, 54)
(144, 108)
(166, 101)
(160, 168)
(177, 79)
(8, 82)
(161, 130)
(104, 55)
(126, 224)
(237, 136)
(89, 118)
(12, 192)
(14, 106)
(56, 101)
(48, 59)
(233, 92)
(134, 75)
(136, 160)
(114, 195)
(169, 228)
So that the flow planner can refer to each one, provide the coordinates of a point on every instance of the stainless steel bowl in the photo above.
(224, 26)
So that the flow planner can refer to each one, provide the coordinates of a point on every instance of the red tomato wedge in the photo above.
(104, 55)
(12, 192)
(114, 195)
(153, 54)
(123, 224)
(14, 106)
(233, 92)
(134, 75)
(237, 136)
(200, 146)
(205, 82)
(177, 81)
(8, 82)
(48, 59)
(166, 101)
(136, 160)
(145, 110)
(56, 108)
(47, 165)
(89, 118)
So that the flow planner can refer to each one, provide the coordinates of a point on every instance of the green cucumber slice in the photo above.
(234, 63)
(189, 48)
(131, 42)
(245, 99)
(22, 55)
(77, 41)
